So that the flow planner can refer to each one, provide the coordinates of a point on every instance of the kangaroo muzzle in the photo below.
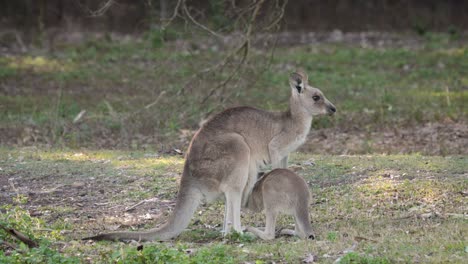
(331, 109)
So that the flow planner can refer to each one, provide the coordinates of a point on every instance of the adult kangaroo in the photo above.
(226, 153)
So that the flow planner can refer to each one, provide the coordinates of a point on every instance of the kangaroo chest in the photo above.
(295, 143)
(294, 138)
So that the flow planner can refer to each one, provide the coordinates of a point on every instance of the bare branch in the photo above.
(278, 19)
(243, 49)
(197, 23)
(100, 11)
(174, 15)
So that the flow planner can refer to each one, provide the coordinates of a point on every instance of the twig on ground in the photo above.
(12, 184)
(48, 191)
(140, 203)
(346, 251)
(10, 245)
(447, 95)
(20, 236)
(101, 204)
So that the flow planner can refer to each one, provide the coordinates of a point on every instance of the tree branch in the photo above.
(100, 11)
(174, 15)
(184, 5)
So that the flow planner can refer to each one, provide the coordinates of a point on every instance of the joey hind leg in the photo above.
(288, 232)
(269, 232)
(303, 228)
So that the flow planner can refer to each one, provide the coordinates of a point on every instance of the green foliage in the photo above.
(6, 71)
(217, 254)
(42, 254)
(19, 219)
(237, 237)
(162, 253)
(157, 37)
(356, 258)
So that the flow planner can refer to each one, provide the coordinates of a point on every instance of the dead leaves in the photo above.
(310, 258)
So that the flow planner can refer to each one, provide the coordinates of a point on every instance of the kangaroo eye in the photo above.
(316, 97)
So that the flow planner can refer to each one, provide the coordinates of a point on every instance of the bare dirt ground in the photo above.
(430, 139)
(434, 138)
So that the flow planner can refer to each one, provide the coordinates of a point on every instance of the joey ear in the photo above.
(298, 80)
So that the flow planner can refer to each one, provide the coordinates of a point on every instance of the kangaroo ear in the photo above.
(298, 80)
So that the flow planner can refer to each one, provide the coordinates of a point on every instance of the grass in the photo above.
(365, 209)
(113, 82)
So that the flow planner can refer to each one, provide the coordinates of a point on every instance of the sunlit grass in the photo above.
(457, 52)
(38, 64)
(118, 159)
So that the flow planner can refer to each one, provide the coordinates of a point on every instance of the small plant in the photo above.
(157, 37)
(454, 32)
(332, 236)
(240, 237)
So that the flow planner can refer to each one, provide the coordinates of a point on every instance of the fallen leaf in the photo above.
(309, 259)
(359, 239)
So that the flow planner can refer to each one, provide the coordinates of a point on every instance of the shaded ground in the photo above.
(415, 206)
(431, 138)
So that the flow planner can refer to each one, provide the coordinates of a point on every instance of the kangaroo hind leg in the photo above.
(269, 232)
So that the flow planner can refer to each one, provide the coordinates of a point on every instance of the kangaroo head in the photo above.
(310, 98)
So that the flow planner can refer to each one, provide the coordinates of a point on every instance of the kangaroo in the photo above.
(281, 190)
(226, 153)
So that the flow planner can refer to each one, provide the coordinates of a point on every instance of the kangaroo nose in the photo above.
(331, 110)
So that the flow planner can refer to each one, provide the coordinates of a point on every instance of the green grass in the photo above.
(113, 82)
(365, 209)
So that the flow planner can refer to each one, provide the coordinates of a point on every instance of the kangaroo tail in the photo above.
(188, 200)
